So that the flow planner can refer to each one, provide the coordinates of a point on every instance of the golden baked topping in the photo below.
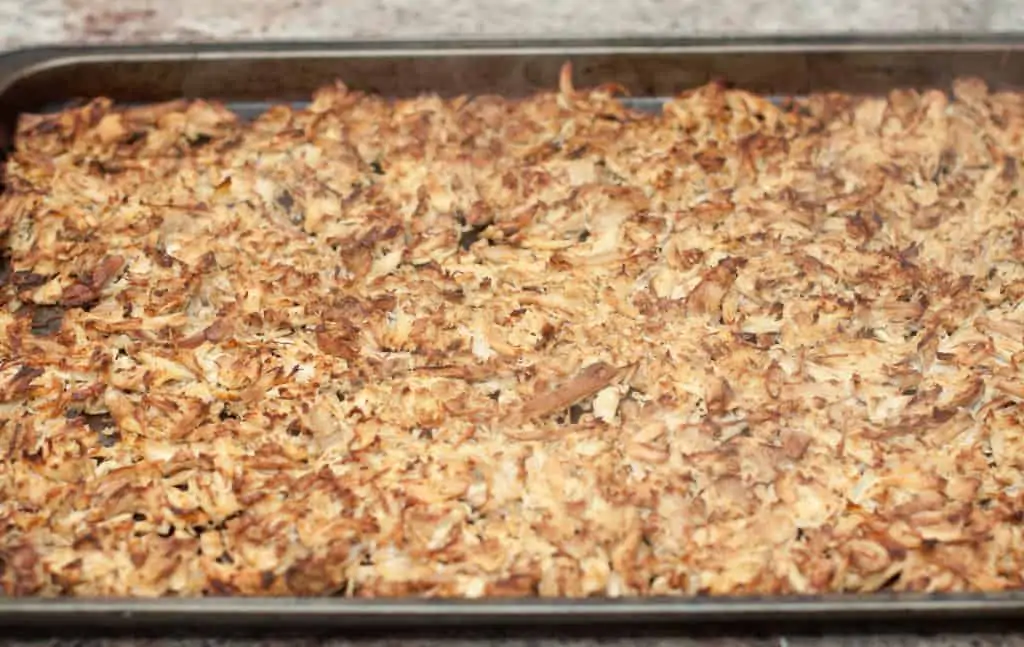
(485, 347)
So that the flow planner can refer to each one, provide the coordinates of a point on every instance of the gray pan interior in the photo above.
(249, 77)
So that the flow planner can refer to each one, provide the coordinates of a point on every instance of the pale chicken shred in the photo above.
(490, 347)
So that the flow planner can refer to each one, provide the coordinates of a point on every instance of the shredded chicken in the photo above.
(487, 347)
(589, 381)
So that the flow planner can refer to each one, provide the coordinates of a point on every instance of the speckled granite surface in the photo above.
(32, 21)
(26, 22)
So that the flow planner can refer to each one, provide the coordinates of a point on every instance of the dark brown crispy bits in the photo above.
(86, 293)
(46, 320)
(22, 380)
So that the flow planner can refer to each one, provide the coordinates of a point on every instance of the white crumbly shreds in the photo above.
(487, 347)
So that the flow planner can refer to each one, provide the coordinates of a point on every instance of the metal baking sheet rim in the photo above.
(328, 613)
(284, 613)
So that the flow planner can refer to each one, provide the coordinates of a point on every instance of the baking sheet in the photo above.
(249, 77)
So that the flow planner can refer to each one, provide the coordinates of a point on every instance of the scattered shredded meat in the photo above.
(490, 347)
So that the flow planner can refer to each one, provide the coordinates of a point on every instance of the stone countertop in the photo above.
(33, 22)
(48, 21)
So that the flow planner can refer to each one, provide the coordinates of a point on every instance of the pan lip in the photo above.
(706, 608)
(18, 63)
(507, 44)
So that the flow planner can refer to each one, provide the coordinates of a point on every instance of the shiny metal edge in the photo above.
(21, 62)
(339, 612)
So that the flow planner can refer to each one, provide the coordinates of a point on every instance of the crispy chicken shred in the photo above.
(549, 346)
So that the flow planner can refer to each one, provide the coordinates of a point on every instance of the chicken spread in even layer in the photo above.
(489, 347)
